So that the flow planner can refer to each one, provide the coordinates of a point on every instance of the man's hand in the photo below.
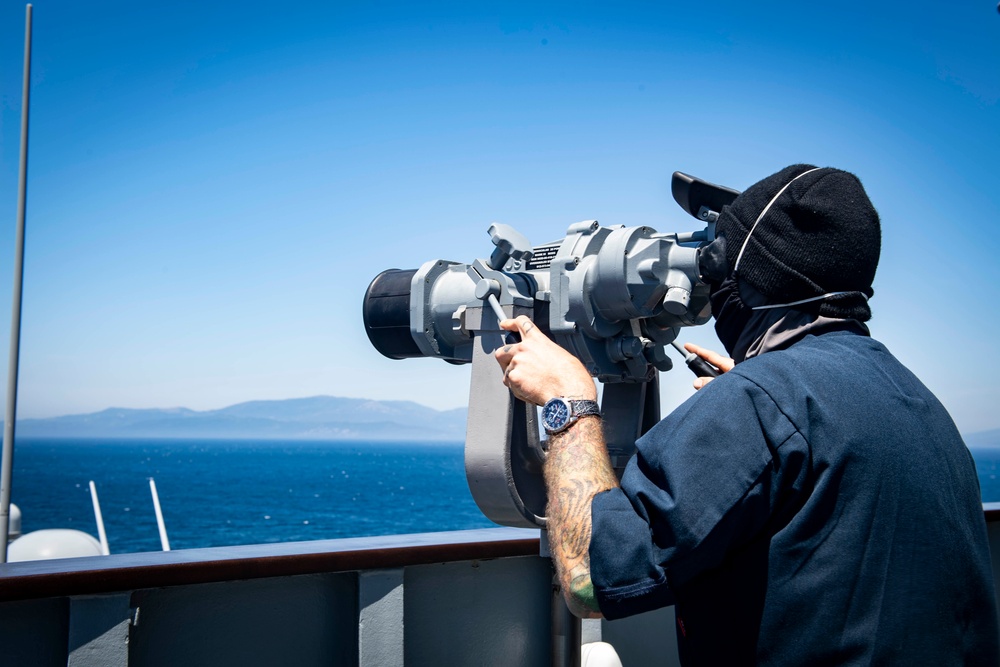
(536, 369)
(576, 467)
(724, 364)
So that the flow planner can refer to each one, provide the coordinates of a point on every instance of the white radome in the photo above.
(14, 522)
(52, 543)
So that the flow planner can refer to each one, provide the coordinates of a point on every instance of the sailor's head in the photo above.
(807, 237)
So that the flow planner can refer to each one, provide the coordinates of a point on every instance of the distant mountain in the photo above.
(989, 438)
(316, 418)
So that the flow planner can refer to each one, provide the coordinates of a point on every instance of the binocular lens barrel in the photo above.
(387, 314)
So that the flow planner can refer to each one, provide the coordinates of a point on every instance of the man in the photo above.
(813, 505)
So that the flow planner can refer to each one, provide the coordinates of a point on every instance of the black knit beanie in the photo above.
(820, 235)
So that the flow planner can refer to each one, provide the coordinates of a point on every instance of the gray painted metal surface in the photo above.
(503, 457)
(305, 621)
(98, 630)
(381, 621)
(484, 612)
(35, 632)
(613, 297)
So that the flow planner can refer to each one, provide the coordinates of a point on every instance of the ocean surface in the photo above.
(230, 492)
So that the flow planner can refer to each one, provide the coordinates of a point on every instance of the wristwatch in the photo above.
(558, 413)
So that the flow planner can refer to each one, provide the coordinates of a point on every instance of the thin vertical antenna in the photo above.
(100, 519)
(164, 542)
(7, 464)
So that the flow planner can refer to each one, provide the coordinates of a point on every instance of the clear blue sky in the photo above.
(213, 185)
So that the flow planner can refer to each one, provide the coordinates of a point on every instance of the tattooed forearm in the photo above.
(584, 600)
(577, 469)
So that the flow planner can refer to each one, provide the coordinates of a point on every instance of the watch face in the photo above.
(555, 415)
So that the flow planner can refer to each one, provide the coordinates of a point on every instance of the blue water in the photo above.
(222, 493)
(988, 467)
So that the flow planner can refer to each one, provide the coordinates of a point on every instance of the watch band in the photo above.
(582, 408)
(559, 413)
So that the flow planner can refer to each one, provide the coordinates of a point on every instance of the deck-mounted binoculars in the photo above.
(614, 297)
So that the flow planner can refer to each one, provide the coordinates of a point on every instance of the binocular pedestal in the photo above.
(504, 454)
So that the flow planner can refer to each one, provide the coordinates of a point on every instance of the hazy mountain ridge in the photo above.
(989, 438)
(316, 417)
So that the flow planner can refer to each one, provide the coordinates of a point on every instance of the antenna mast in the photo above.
(7, 463)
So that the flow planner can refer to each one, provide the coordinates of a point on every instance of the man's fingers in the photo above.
(525, 326)
(701, 382)
(521, 324)
(724, 364)
(505, 353)
(509, 325)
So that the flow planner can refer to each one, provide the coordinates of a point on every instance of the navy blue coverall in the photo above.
(815, 505)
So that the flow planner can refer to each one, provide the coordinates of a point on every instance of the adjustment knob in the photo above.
(509, 243)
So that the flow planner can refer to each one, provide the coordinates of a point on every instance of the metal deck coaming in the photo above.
(119, 572)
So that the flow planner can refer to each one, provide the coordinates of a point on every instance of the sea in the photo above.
(230, 492)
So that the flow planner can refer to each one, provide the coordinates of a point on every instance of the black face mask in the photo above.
(731, 315)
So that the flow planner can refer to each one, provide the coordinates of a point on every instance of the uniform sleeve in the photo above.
(703, 481)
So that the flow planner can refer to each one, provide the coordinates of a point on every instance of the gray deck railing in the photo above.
(477, 597)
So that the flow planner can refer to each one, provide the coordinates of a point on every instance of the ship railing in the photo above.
(478, 597)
